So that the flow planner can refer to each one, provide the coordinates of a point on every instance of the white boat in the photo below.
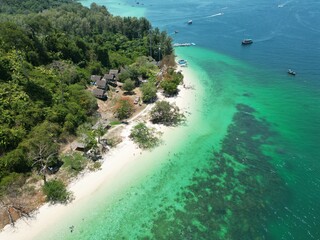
(246, 41)
(291, 72)
(190, 22)
(183, 44)
(182, 61)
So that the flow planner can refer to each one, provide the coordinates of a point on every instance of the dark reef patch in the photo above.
(232, 198)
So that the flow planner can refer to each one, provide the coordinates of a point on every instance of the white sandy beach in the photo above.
(117, 163)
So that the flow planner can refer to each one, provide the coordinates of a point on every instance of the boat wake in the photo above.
(307, 25)
(264, 39)
(283, 4)
(215, 15)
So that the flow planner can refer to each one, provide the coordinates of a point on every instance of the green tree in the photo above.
(145, 137)
(174, 76)
(124, 75)
(13, 37)
(128, 85)
(170, 88)
(14, 161)
(5, 67)
(100, 131)
(87, 136)
(103, 56)
(149, 92)
(124, 109)
(11, 201)
(18, 114)
(56, 192)
(165, 113)
(171, 82)
(74, 163)
(41, 147)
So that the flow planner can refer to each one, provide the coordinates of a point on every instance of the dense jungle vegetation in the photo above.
(48, 50)
(28, 6)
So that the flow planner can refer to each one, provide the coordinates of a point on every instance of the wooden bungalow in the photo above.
(99, 93)
(102, 84)
(115, 72)
(95, 78)
(108, 77)
(78, 146)
(105, 124)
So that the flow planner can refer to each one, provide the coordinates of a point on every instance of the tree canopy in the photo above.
(124, 108)
(28, 6)
(165, 113)
(128, 85)
(149, 91)
(145, 137)
(56, 192)
(48, 50)
(171, 82)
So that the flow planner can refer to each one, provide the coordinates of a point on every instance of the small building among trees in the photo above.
(99, 93)
(114, 72)
(108, 77)
(95, 78)
(78, 146)
(102, 83)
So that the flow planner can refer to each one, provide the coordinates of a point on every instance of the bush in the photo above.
(56, 192)
(171, 82)
(11, 183)
(74, 163)
(149, 92)
(170, 88)
(145, 137)
(123, 76)
(113, 141)
(128, 85)
(95, 166)
(166, 114)
(124, 109)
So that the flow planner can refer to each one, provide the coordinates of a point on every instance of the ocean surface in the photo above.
(248, 165)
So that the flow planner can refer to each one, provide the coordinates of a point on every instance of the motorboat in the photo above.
(246, 41)
(291, 72)
(183, 44)
(182, 61)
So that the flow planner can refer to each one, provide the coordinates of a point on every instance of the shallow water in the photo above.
(247, 167)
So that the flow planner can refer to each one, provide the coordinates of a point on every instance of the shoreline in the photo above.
(120, 164)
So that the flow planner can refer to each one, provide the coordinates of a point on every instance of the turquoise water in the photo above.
(247, 166)
(119, 7)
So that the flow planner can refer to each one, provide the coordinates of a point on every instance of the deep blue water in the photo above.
(284, 37)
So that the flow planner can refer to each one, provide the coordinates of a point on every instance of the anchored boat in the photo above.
(291, 72)
(183, 44)
(246, 41)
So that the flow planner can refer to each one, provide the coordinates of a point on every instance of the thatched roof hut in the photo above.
(102, 84)
(95, 78)
(99, 93)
